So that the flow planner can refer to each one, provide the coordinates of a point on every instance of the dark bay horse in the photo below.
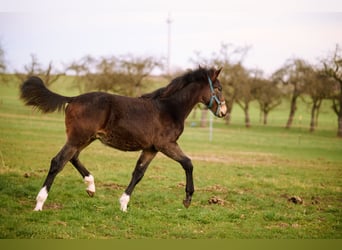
(151, 123)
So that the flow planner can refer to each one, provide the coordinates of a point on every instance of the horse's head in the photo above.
(214, 98)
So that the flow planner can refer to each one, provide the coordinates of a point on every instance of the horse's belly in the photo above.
(121, 142)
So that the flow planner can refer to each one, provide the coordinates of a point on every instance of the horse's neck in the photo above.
(183, 102)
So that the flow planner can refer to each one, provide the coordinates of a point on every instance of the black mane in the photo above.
(180, 82)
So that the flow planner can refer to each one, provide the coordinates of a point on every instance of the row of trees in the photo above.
(123, 74)
(295, 79)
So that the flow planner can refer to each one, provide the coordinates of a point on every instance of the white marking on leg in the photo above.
(124, 202)
(89, 180)
(41, 198)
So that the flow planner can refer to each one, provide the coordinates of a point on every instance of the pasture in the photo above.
(243, 178)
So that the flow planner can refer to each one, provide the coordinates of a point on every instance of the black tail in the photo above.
(34, 93)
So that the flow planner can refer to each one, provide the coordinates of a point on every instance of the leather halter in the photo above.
(214, 98)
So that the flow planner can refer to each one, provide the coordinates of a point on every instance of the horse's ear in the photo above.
(216, 73)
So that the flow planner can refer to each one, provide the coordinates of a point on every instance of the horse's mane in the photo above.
(180, 82)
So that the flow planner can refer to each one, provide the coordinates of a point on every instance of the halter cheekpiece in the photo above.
(214, 98)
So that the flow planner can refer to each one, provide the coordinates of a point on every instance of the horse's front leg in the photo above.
(189, 188)
(144, 160)
(174, 152)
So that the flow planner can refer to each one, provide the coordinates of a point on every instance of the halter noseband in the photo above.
(214, 98)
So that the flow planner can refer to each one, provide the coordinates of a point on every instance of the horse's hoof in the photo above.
(90, 193)
(186, 203)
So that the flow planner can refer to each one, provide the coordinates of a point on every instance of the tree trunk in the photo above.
(293, 109)
(228, 117)
(138, 85)
(318, 106)
(312, 122)
(339, 122)
(204, 120)
(265, 117)
(247, 119)
(337, 107)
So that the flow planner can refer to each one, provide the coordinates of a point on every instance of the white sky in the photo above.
(69, 30)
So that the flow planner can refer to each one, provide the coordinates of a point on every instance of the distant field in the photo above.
(243, 180)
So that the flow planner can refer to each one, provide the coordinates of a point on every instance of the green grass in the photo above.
(252, 171)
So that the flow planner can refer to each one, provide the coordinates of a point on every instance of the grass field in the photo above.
(251, 173)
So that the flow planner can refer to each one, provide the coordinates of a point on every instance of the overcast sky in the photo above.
(69, 30)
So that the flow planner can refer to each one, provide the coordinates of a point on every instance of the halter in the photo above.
(214, 98)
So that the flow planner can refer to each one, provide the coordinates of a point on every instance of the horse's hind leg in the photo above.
(57, 164)
(88, 178)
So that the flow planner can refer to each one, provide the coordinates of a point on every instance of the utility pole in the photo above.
(169, 21)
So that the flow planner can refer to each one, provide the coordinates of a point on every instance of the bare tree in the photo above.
(3, 78)
(2, 60)
(81, 69)
(292, 74)
(268, 96)
(333, 69)
(135, 69)
(123, 75)
(107, 76)
(317, 87)
(243, 90)
(34, 68)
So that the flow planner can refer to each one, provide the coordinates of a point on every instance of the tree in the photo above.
(135, 69)
(292, 74)
(318, 87)
(34, 68)
(122, 75)
(3, 66)
(243, 90)
(107, 77)
(268, 96)
(82, 71)
(2, 60)
(333, 69)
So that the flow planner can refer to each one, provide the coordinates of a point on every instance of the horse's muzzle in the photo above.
(222, 109)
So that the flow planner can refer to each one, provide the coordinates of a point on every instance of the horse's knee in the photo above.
(59, 161)
(54, 166)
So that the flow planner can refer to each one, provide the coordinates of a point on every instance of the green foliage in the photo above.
(252, 172)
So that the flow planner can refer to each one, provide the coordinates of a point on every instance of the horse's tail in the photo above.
(34, 93)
